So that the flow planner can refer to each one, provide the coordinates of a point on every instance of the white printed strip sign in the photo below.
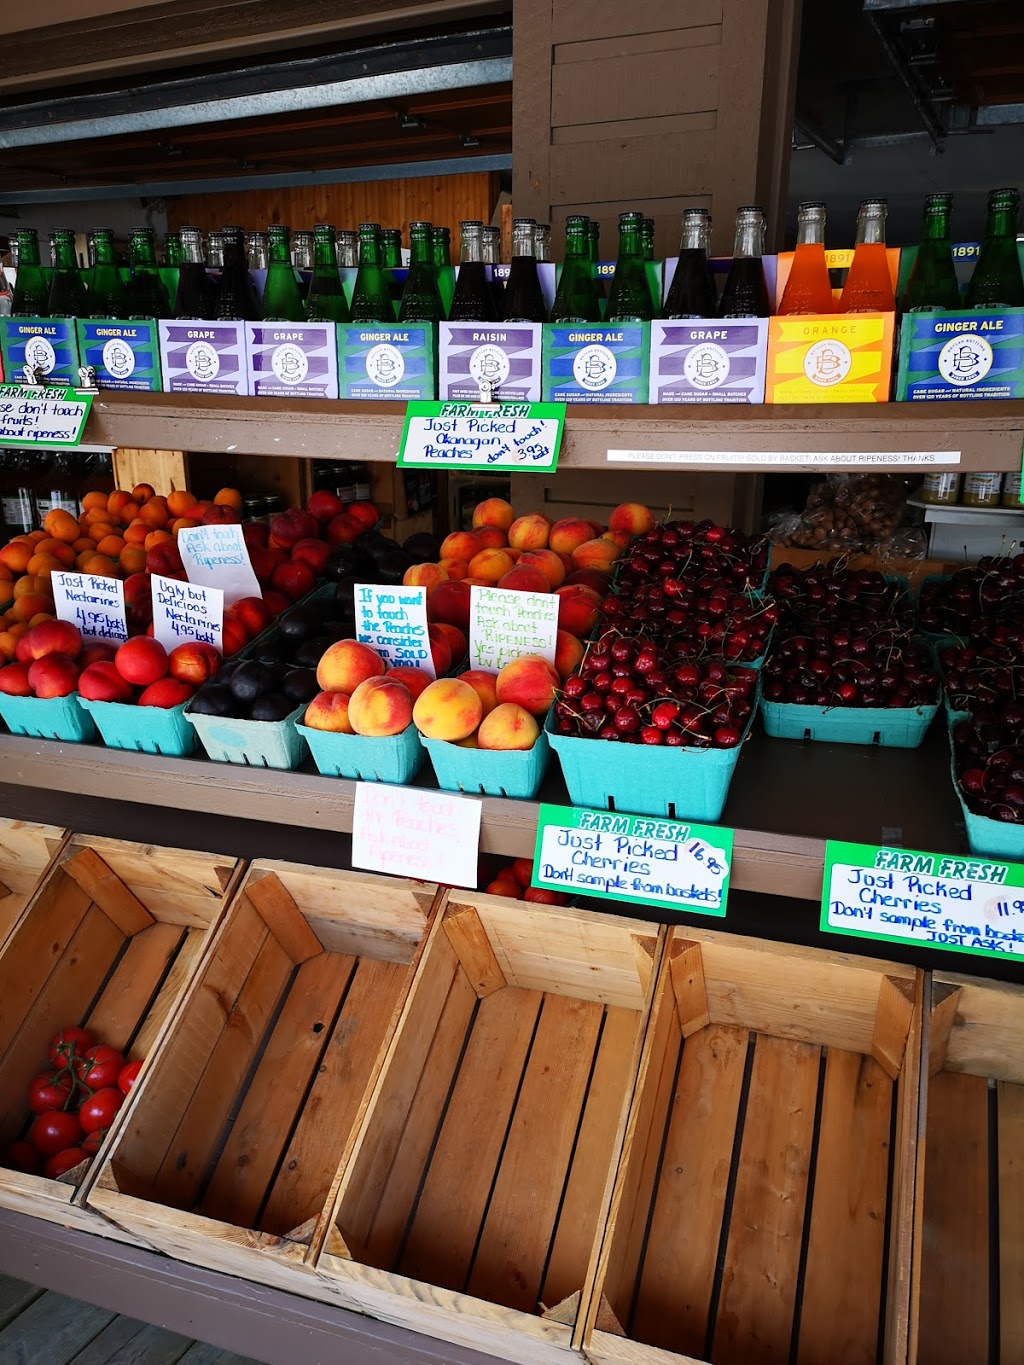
(393, 621)
(791, 459)
(218, 557)
(186, 612)
(91, 602)
(408, 832)
(505, 624)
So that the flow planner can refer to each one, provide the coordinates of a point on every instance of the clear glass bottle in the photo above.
(57, 489)
(524, 301)
(18, 499)
(106, 297)
(542, 241)
(576, 297)
(868, 287)
(472, 300)
(257, 250)
(942, 490)
(31, 292)
(1011, 491)
(982, 490)
(326, 300)
(692, 291)
(746, 291)
(491, 242)
(808, 289)
(348, 249)
(282, 301)
(371, 301)
(193, 299)
(215, 250)
(302, 250)
(630, 296)
(67, 288)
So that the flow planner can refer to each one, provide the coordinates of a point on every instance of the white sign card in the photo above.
(408, 832)
(218, 557)
(52, 418)
(186, 611)
(790, 459)
(393, 621)
(505, 624)
(92, 603)
(519, 436)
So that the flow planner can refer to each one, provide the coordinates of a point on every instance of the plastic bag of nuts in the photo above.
(852, 512)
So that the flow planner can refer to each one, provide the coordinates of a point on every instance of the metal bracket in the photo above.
(34, 378)
(87, 379)
(488, 393)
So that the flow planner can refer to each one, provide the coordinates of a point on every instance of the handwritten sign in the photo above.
(393, 620)
(675, 865)
(962, 904)
(48, 418)
(186, 611)
(504, 624)
(519, 436)
(218, 557)
(92, 603)
(407, 832)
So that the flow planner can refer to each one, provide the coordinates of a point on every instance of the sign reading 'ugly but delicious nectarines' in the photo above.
(218, 557)
(519, 436)
(505, 624)
(393, 621)
(92, 603)
(186, 612)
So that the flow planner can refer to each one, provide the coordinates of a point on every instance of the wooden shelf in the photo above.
(988, 435)
(786, 799)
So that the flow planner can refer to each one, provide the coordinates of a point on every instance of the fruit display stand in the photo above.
(26, 850)
(109, 941)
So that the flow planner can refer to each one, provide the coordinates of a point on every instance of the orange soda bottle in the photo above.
(868, 287)
(808, 289)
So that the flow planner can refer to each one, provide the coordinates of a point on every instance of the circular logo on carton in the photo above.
(827, 363)
(965, 360)
(490, 364)
(118, 358)
(594, 368)
(289, 363)
(706, 365)
(40, 354)
(202, 361)
(385, 366)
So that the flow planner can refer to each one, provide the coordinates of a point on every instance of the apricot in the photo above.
(380, 707)
(41, 566)
(101, 565)
(16, 554)
(228, 497)
(29, 584)
(111, 546)
(154, 513)
(31, 605)
(183, 524)
(132, 559)
(136, 533)
(448, 709)
(142, 492)
(494, 512)
(530, 532)
(154, 538)
(59, 549)
(61, 525)
(530, 682)
(118, 500)
(94, 501)
(508, 726)
(180, 502)
(100, 529)
(82, 544)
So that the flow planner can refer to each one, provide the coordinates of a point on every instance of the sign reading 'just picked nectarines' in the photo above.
(92, 603)
(519, 436)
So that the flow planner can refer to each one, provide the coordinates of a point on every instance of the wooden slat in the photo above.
(636, 86)
(677, 1275)
(283, 917)
(462, 1168)
(164, 470)
(52, 1329)
(15, 1297)
(688, 986)
(39, 943)
(1011, 1223)
(954, 1251)
(755, 1310)
(941, 1018)
(116, 1014)
(109, 892)
(128, 1342)
(607, 19)
(986, 1033)
(845, 1254)
(468, 937)
(892, 1023)
(175, 982)
(517, 1232)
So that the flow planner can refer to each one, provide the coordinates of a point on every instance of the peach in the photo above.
(53, 637)
(415, 679)
(457, 641)
(490, 565)
(549, 563)
(530, 532)
(482, 683)
(448, 709)
(325, 505)
(494, 512)
(530, 682)
(578, 609)
(449, 602)
(313, 553)
(346, 664)
(343, 529)
(524, 578)
(491, 537)
(504, 885)
(440, 651)
(590, 578)
(424, 576)
(14, 681)
(568, 533)
(329, 711)
(455, 568)
(620, 538)
(166, 693)
(380, 706)
(459, 545)
(632, 517)
(53, 676)
(141, 661)
(595, 554)
(102, 682)
(294, 580)
(193, 663)
(470, 742)
(569, 653)
(508, 727)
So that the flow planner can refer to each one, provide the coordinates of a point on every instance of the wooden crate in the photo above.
(108, 941)
(481, 1176)
(970, 1260)
(229, 1154)
(763, 1209)
(26, 850)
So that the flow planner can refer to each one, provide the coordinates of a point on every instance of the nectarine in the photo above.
(193, 663)
(141, 661)
(53, 637)
(102, 682)
(55, 675)
(166, 693)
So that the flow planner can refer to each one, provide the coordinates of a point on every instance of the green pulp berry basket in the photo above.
(395, 759)
(251, 743)
(48, 718)
(489, 772)
(146, 729)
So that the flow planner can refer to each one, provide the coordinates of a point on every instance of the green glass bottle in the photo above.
(421, 298)
(441, 248)
(647, 237)
(145, 295)
(997, 280)
(282, 301)
(67, 288)
(576, 296)
(391, 248)
(371, 301)
(173, 252)
(107, 296)
(31, 292)
(630, 298)
(326, 300)
(594, 237)
(932, 283)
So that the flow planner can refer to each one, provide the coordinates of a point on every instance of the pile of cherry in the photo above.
(845, 638)
(665, 669)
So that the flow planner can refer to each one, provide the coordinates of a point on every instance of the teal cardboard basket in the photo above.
(642, 779)
(146, 729)
(489, 772)
(251, 743)
(891, 727)
(395, 759)
(986, 837)
(48, 718)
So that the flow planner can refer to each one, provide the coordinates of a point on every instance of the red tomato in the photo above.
(50, 1090)
(129, 1075)
(63, 1161)
(67, 1042)
(91, 1142)
(51, 1133)
(98, 1110)
(22, 1156)
(100, 1067)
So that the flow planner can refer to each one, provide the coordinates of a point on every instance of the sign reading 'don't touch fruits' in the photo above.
(898, 895)
(520, 436)
(218, 557)
(92, 603)
(409, 832)
(393, 621)
(48, 418)
(186, 611)
(674, 864)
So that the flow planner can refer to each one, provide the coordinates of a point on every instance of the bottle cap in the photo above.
(811, 205)
(630, 219)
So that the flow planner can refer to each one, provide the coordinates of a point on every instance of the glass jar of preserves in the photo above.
(943, 490)
(1011, 491)
(982, 490)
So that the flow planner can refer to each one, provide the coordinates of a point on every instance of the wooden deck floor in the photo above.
(38, 1327)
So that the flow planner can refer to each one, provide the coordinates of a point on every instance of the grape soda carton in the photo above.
(204, 357)
(49, 345)
(396, 361)
(292, 359)
(124, 355)
(596, 363)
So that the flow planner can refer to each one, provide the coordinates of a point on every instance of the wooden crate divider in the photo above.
(109, 942)
(768, 1164)
(235, 1139)
(480, 1179)
(26, 851)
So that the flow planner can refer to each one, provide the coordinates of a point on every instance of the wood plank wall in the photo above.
(444, 199)
(656, 105)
